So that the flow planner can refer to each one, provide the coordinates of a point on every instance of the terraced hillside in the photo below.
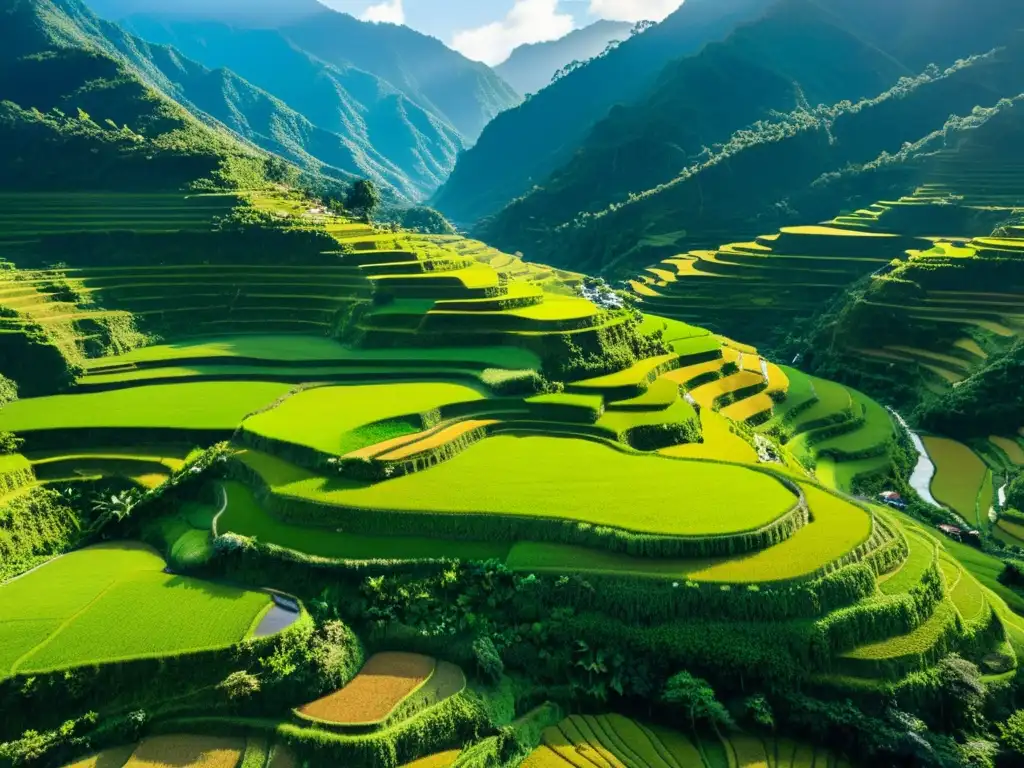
(351, 453)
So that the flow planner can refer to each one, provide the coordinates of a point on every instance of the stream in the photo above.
(924, 472)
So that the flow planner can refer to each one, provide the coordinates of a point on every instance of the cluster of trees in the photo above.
(638, 29)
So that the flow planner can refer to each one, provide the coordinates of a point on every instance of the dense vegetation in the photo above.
(289, 475)
(667, 173)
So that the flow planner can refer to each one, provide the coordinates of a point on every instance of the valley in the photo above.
(723, 470)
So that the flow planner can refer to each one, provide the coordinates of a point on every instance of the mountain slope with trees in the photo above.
(523, 145)
(454, 90)
(343, 119)
(682, 135)
(531, 67)
(75, 116)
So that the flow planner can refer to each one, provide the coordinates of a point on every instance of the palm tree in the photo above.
(118, 505)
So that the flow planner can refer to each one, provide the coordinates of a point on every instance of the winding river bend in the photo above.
(924, 471)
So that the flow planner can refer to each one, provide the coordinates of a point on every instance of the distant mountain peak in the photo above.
(531, 66)
(253, 13)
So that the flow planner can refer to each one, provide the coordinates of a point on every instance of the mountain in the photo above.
(465, 93)
(639, 146)
(74, 114)
(462, 93)
(294, 104)
(531, 66)
(253, 13)
(523, 145)
(635, 165)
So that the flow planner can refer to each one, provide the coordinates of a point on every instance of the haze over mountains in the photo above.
(531, 66)
(660, 164)
(333, 94)
(516, 152)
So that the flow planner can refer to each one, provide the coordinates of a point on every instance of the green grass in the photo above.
(635, 375)
(328, 418)
(832, 398)
(837, 528)
(562, 478)
(113, 601)
(617, 422)
(876, 431)
(285, 374)
(966, 593)
(246, 517)
(984, 567)
(917, 641)
(660, 395)
(920, 558)
(696, 346)
(314, 348)
(208, 405)
(843, 475)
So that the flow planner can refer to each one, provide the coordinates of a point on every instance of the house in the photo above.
(892, 499)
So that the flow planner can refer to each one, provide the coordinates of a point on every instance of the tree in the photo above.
(117, 506)
(239, 685)
(697, 699)
(1015, 493)
(363, 197)
(1011, 734)
(8, 394)
(488, 659)
(427, 220)
(961, 692)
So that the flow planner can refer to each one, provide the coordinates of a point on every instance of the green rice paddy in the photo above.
(325, 418)
(246, 517)
(208, 405)
(314, 348)
(62, 614)
(959, 475)
(837, 528)
(568, 479)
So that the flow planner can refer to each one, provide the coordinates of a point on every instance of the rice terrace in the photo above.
(357, 409)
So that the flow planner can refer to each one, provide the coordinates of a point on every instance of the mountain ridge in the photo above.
(532, 65)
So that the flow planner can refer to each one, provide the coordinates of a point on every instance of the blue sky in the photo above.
(488, 30)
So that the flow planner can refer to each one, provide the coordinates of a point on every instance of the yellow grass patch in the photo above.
(719, 442)
(642, 289)
(381, 685)
(440, 760)
(108, 758)
(173, 751)
(748, 407)
(545, 757)
(970, 345)
(1017, 531)
(959, 474)
(1010, 447)
(437, 439)
(706, 394)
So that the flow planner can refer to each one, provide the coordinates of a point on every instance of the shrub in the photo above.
(1011, 734)
(239, 685)
(427, 221)
(652, 437)
(514, 383)
(487, 658)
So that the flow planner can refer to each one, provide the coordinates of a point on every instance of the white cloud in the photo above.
(529, 21)
(633, 10)
(390, 11)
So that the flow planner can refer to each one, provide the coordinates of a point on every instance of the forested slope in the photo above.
(531, 66)
(660, 139)
(523, 145)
